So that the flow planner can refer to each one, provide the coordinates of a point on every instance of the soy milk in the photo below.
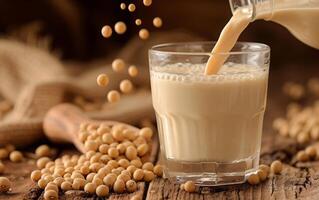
(216, 118)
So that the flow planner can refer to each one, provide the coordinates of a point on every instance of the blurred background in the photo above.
(71, 28)
(51, 52)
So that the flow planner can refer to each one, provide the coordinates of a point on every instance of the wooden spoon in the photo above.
(62, 124)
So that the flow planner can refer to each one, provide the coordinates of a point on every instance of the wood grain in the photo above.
(294, 183)
(19, 175)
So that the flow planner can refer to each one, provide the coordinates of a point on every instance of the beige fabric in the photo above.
(35, 81)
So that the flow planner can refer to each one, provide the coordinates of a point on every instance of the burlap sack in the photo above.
(35, 81)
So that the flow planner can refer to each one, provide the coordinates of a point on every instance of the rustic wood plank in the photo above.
(295, 183)
(19, 175)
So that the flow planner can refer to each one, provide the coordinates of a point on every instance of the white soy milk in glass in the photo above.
(210, 127)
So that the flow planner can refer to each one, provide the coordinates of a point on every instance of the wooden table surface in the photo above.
(300, 182)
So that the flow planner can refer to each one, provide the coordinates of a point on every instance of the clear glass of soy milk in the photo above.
(210, 126)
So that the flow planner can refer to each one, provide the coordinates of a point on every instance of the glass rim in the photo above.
(254, 47)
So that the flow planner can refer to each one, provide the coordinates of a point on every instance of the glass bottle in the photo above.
(300, 17)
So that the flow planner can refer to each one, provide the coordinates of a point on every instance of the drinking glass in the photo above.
(210, 127)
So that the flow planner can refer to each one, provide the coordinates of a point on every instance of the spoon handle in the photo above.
(62, 123)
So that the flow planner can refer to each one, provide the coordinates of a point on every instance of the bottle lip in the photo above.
(247, 6)
(254, 8)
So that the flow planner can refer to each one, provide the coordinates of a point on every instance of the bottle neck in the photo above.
(264, 9)
(256, 9)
